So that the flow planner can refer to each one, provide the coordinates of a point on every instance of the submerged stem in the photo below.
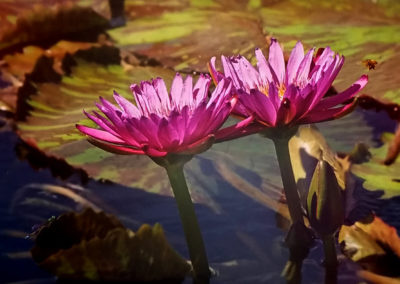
(188, 217)
(289, 183)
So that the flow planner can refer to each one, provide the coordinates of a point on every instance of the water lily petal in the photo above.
(219, 117)
(345, 95)
(99, 134)
(161, 89)
(196, 119)
(231, 131)
(329, 114)
(266, 74)
(153, 152)
(199, 146)
(276, 60)
(176, 91)
(304, 69)
(296, 57)
(141, 101)
(149, 129)
(250, 76)
(187, 92)
(231, 72)
(129, 108)
(102, 122)
(116, 149)
(288, 106)
(260, 105)
(216, 75)
(200, 90)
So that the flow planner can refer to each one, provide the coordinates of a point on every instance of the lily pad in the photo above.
(375, 245)
(184, 36)
(376, 174)
(17, 65)
(46, 25)
(97, 247)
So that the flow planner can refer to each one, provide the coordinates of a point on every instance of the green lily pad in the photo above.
(184, 36)
(378, 175)
(95, 246)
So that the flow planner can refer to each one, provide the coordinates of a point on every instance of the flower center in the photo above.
(265, 89)
(281, 90)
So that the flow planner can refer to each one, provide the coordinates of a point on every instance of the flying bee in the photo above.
(370, 63)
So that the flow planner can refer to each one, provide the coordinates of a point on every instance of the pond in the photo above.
(47, 168)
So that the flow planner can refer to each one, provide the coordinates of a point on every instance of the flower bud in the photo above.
(325, 201)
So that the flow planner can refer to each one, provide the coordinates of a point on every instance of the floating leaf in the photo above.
(373, 244)
(16, 66)
(20, 64)
(378, 175)
(96, 247)
(47, 24)
(184, 36)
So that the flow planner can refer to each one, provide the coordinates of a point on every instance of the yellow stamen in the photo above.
(264, 89)
(281, 91)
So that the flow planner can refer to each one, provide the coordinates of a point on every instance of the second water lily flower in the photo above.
(280, 96)
(286, 95)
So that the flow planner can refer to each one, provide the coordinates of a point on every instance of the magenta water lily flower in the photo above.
(169, 127)
(279, 95)
(185, 120)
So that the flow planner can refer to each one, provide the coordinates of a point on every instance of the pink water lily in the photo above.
(185, 120)
(279, 95)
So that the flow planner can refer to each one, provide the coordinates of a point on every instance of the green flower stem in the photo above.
(299, 240)
(289, 183)
(330, 259)
(190, 225)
